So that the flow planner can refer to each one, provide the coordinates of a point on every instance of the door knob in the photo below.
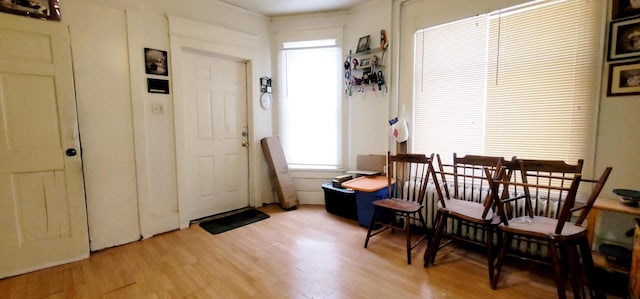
(71, 152)
(245, 143)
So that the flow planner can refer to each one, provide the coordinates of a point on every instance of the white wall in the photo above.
(617, 145)
(370, 111)
(103, 94)
(129, 152)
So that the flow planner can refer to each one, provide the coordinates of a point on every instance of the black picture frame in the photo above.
(39, 9)
(156, 62)
(624, 39)
(624, 78)
(157, 86)
(363, 44)
(621, 9)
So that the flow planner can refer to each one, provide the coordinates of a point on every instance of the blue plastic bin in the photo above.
(365, 207)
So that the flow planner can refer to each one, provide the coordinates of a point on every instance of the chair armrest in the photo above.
(578, 208)
(513, 198)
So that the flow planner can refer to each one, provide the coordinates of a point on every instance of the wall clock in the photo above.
(265, 100)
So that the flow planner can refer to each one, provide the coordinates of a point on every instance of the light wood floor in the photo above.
(304, 253)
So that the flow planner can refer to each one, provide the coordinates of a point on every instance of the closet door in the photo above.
(42, 204)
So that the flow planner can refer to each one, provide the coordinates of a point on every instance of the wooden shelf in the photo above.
(600, 261)
(368, 68)
(614, 205)
(610, 205)
(367, 52)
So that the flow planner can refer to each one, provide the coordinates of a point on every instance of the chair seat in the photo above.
(398, 205)
(542, 227)
(468, 210)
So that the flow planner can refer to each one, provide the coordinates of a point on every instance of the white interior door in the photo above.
(42, 207)
(215, 115)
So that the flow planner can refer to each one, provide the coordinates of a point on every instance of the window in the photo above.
(310, 107)
(520, 81)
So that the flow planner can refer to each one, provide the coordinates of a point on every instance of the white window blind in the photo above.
(310, 110)
(539, 84)
(541, 91)
(451, 63)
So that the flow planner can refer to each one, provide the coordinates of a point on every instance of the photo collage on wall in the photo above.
(156, 63)
(624, 48)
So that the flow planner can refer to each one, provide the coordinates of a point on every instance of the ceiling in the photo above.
(290, 7)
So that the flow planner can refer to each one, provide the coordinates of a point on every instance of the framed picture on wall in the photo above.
(155, 62)
(41, 9)
(624, 9)
(363, 44)
(365, 63)
(624, 39)
(624, 79)
(157, 86)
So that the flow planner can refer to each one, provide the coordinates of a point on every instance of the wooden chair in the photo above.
(592, 189)
(408, 177)
(468, 204)
(549, 190)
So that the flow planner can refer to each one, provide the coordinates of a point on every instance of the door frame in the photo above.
(187, 34)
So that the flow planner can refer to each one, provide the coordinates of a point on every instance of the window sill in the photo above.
(319, 173)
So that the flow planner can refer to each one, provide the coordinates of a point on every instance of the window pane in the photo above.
(310, 111)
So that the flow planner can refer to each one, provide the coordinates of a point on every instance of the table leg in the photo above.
(591, 225)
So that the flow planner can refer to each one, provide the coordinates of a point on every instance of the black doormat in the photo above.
(232, 221)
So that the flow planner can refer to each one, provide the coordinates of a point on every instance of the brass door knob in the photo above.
(245, 143)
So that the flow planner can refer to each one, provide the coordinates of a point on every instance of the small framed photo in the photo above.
(621, 9)
(624, 79)
(363, 44)
(155, 62)
(624, 39)
(365, 63)
(40, 9)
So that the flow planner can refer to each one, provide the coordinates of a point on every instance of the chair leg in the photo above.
(432, 249)
(371, 224)
(423, 222)
(490, 259)
(574, 269)
(589, 268)
(558, 269)
(407, 228)
(499, 259)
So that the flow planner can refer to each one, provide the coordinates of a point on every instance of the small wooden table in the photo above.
(612, 205)
(367, 183)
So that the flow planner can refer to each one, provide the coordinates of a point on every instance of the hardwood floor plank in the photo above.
(304, 253)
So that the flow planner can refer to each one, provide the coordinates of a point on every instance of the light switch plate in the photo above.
(157, 108)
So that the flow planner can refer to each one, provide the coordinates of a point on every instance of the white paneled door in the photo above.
(42, 206)
(215, 178)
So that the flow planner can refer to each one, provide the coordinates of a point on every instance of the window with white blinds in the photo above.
(539, 74)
